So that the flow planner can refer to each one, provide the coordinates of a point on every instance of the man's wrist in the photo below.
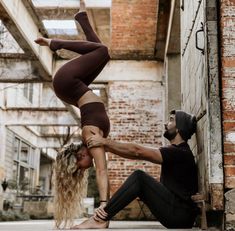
(103, 203)
(105, 142)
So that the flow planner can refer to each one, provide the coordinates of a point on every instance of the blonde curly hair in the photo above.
(70, 186)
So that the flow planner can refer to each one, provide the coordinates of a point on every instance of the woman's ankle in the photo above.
(82, 10)
(54, 45)
(80, 15)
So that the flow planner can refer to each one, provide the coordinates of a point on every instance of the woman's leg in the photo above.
(88, 79)
(78, 46)
(83, 20)
(91, 36)
(94, 55)
(86, 67)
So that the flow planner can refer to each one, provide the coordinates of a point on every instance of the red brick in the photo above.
(228, 62)
(229, 115)
(228, 126)
(227, 23)
(229, 147)
(228, 104)
(229, 160)
(229, 171)
(228, 82)
(134, 24)
(227, 3)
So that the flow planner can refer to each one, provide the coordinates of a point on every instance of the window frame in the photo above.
(30, 165)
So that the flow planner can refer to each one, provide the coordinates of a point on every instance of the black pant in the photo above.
(170, 211)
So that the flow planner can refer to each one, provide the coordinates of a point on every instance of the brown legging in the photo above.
(71, 81)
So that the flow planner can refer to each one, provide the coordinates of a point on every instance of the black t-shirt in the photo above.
(179, 171)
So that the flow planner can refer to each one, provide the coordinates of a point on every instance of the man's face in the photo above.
(84, 158)
(170, 128)
(171, 122)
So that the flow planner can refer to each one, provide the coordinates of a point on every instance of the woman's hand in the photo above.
(100, 214)
(95, 140)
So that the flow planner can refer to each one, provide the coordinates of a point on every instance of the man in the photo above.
(170, 199)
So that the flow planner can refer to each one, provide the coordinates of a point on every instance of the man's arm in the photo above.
(126, 150)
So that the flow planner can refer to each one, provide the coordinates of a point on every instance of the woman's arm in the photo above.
(98, 154)
(101, 172)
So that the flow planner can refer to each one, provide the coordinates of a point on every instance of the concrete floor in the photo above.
(44, 225)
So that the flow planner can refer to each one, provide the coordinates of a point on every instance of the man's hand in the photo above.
(95, 140)
(100, 213)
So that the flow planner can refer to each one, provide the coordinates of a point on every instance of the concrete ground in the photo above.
(44, 225)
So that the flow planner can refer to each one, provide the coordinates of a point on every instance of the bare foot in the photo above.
(43, 41)
(82, 6)
(81, 9)
(91, 224)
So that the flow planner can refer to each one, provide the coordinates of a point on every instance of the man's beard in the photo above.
(170, 134)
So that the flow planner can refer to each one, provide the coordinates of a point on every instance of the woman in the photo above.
(71, 85)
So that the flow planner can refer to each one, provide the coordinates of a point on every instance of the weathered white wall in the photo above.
(8, 43)
(194, 81)
(2, 144)
(43, 96)
(173, 82)
(194, 85)
(48, 97)
(200, 93)
(9, 154)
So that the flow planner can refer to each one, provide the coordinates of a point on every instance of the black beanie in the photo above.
(185, 123)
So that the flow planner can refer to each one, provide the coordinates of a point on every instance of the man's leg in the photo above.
(138, 184)
(150, 191)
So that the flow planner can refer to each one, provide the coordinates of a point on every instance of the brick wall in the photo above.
(134, 25)
(227, 24)
(136, 113)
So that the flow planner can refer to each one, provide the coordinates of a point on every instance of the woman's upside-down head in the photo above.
(70, 182)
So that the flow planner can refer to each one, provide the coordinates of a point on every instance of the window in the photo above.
(42, 183)
(55, 27)
(16, 149)
(23, 165)
(23, 176)
(32, 157)
(101, 91)
(24, 152)
(28, 91)
(15, 170)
